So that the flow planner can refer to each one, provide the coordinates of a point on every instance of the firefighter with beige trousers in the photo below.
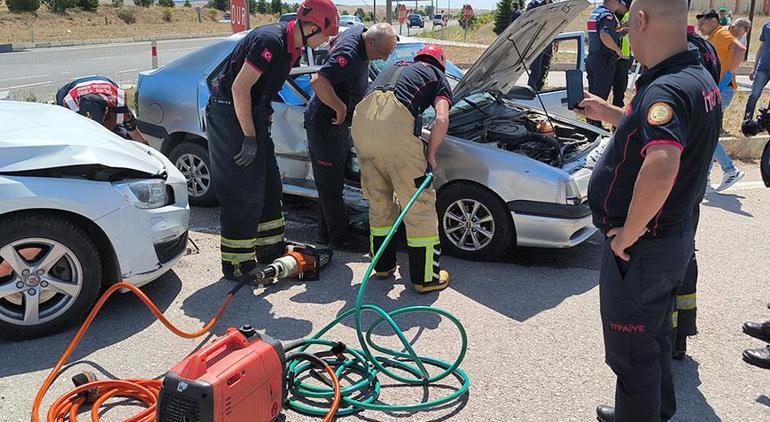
(386, 132)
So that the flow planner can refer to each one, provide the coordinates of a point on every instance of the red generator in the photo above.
(239, 377)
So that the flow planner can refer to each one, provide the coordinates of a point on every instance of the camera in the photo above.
(751, 127)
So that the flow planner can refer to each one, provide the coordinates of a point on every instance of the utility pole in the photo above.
(748, 35)
(389, 11)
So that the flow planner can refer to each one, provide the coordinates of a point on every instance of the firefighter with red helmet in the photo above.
(387, 129)
(243, 163)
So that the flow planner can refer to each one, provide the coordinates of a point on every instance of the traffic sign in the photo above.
(467, 12)
(239, 15)
(401, 14)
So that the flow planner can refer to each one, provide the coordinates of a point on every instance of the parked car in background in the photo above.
(287, 17)
(416, 20)
(438, 20)
(80, 209)
(350, 20)
(503, 180)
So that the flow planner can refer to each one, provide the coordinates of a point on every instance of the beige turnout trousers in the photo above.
(391, 158)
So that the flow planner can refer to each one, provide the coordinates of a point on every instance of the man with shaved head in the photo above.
(642, 195)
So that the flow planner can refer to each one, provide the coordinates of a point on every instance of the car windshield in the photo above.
(407, 52)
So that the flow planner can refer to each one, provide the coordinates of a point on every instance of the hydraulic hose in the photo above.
(365, 393)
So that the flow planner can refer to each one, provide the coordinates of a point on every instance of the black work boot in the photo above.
(758, 357)
(758, 330)
(605, 413)
(386, 266)
(424, 269)
(232, 272)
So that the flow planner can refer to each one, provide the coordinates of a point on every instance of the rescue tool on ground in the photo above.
(243, 376)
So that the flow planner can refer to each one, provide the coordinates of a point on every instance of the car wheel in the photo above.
(192, 159)
(473, 222)
(50, 275)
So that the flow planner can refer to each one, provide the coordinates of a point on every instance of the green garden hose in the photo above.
(364, 393)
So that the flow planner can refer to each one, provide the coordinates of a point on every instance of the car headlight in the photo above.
(144, 194)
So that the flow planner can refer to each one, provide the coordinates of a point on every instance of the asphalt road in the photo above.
(41, 72)
(535, 350)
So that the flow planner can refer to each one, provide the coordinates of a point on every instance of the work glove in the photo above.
(248, 152)
(725, 82)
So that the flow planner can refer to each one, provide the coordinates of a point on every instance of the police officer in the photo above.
(542, 63)
(603, 50)
(685, 311)
(101, 100)
(642, 194)
(338, 86)
(243, 161)
(620, 82)
(386, 131)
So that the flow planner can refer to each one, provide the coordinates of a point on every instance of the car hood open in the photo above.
(500, 67)
(41, 136)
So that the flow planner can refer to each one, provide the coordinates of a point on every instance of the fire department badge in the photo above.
(342, 61)
(267, 55)
(660, 114)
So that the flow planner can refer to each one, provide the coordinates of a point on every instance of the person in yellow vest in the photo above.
(620, 83)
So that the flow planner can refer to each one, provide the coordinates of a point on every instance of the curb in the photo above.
(745, 148)
(22, 46)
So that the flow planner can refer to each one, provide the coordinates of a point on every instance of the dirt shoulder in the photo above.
(105, 24)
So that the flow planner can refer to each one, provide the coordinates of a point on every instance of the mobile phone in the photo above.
(574, 88)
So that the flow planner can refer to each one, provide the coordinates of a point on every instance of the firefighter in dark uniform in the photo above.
(386, 131)
(539, 68)
(243, 164)
(603, 50)
(685, 311)
(642, 195)
(338, 86)
(101, 100)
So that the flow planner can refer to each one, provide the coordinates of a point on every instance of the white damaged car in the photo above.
(80, 209)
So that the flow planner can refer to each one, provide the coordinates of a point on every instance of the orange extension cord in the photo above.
(146, 391)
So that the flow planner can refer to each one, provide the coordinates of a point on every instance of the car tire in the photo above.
(187, 157)
(79, 270)
(492, 218)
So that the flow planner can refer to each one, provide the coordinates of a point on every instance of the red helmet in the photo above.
(323, 13)
(432, 53)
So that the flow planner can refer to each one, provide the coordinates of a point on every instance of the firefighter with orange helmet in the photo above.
(243, 163)
(387, 129)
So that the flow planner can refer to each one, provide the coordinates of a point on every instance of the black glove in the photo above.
(248, 151)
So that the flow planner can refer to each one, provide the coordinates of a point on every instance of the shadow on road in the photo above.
(691, 403)
(122, 316)
(731, 203)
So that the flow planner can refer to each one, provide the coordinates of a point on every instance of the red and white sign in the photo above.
(401, 14)
(467, 12)
(239, 15)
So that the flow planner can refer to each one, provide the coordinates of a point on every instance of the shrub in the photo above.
(166, 3)
(360, 13)
(166, 14)
(503, 16)
(88, 5)
(144, 3)
(59, 5)
(223, 5)
(344, 12)
(23, 5)
(262, 7)
(213, 14)
(187, 3)
(252, 6)
(117, 3)
(126, 16)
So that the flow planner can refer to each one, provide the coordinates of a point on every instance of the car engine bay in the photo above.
(522, 131)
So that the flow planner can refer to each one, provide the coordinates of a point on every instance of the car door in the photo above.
(569, 54)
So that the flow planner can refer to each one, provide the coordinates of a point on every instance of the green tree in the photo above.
(253, 7)
(187, 3)
(117, 3)
(144, 3)
(429, 11)
(275, 6)
(22, 5)
(360, 13)
(503, 16)
(58, 5)
(262, 7)
(223, 5)
(344, 12)
(88, 5)
(166, 3)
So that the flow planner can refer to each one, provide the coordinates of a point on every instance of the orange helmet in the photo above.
(323, 13)
(432, 53)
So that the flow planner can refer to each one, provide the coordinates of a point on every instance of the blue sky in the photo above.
(456, 4)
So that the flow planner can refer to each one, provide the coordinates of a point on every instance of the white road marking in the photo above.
(25, 77)
(128, 70)
(756, 184)
(27, 85)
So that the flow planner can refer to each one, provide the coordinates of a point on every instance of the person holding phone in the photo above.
(642, 194)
